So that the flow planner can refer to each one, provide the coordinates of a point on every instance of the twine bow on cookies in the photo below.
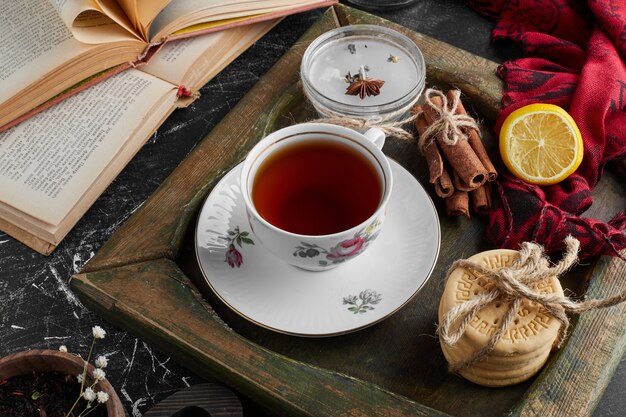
(449, 123)
(513, 284)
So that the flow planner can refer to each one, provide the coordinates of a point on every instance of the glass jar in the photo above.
(381, 4)
(338, 55)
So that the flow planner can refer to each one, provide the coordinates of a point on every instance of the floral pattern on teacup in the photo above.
(344, 250)
(233, 257)
(347, 249)
(363, 303)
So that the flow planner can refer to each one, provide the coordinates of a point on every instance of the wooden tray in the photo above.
(145, 278)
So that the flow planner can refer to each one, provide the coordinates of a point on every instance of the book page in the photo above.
(192, 61)
(95, 21)
(142, 12)
(50, 161)
(179, 14)
(69, 9)
(175, 58)
(34, 41)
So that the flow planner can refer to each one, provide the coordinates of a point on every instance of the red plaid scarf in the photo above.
(576, 55)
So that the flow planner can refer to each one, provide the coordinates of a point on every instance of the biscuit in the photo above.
(527, 343)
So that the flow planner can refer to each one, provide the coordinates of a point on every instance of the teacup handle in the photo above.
(376, 136)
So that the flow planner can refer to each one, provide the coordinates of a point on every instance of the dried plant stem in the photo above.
(90, 410)
(82, 384)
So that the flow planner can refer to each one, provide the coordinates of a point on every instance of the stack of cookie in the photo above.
(525, 347)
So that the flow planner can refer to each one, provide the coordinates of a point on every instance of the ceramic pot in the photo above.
(22, 363)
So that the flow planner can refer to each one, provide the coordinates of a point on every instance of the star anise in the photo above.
(362, 86)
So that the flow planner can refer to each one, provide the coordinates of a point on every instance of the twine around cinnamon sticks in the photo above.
(446, 130)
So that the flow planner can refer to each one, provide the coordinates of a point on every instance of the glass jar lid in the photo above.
(378, 52)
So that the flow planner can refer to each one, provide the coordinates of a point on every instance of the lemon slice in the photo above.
(541, 144)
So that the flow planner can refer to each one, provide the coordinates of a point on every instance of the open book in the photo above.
(54, 165)
(50, 47)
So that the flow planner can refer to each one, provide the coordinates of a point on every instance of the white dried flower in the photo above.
(102, 362)
(63, 348)
(98, 332)
(102, 397)
(79, 378)
(89, 395)
(99, 374)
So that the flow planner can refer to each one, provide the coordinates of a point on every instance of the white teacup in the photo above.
(318, 252)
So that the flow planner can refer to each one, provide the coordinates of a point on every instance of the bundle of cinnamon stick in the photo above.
(458, 164)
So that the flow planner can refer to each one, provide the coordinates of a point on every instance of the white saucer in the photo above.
(350, 297)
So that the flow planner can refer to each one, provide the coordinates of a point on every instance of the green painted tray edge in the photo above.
(551, 394)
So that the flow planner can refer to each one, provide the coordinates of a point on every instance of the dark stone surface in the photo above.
(37, 309)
